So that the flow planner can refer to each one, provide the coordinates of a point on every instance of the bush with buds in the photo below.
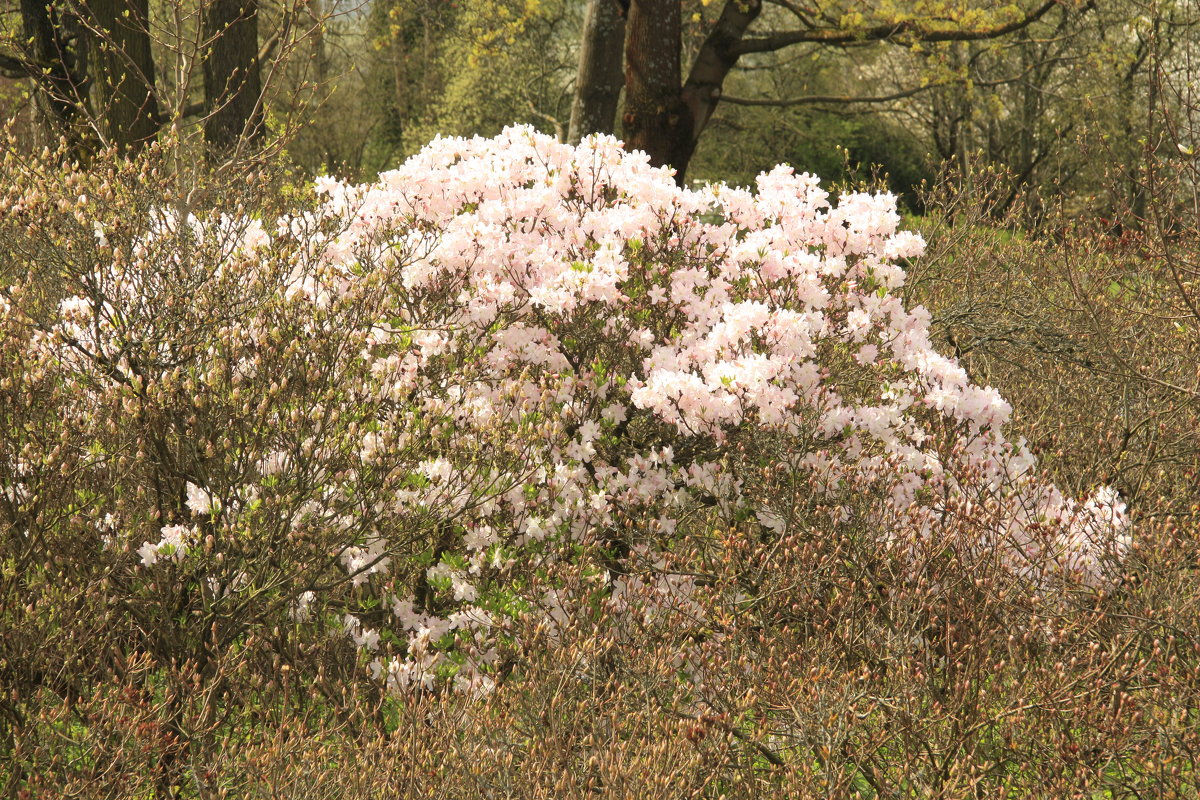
(508, 351)
(411, 429)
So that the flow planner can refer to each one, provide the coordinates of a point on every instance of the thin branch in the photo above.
(804, 14)
(268, 47)
(559, 129)
(829, 98)
(907, 30)
(14, 66)
(842, 99)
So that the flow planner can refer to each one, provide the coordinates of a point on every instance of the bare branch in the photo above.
(14, 66)
(845, 99)
(841, 99)
(803, 13)
(560, 131)
(268, 47)
(901, 30)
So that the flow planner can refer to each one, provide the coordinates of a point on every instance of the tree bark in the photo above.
(716, 58)
(124, 72)
(656, 119)
(320, 53)
(600, 77)
(232, 83)
(56, 61)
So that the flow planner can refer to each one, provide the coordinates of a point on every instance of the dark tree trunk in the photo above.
(600, 77)
(56, 61)
(665, 119)
(662, 117)
(124, 72)
(1030, 108)
(232, 83)
(716, 58)
(656, 119)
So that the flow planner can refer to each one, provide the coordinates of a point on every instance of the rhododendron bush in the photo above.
(511, 380)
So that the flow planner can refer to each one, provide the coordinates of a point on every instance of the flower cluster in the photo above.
(543, 356)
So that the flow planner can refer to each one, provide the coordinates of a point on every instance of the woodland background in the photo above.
(1063, 96)
(1047, 151)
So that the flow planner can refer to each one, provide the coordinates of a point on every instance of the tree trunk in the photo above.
(1030, 108)
(661, 117)
(232, 84)
(56, 59)
(656, 119)
(716, 58)
(397, 120)
(327, 143)
(320, 53)
(666, 120)
(966, 114)
(599, 80)
(124, 72)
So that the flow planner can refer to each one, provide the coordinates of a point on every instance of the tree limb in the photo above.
(845, 99)
(842, 99)
(911, 30)
(14, 66)
(268, 47)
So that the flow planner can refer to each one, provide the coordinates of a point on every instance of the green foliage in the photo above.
(839, 149)
(472, 67)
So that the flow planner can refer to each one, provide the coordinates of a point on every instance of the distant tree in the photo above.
(232, 79)
(123, 71)
(52, 52)
(665, 112)
(600, 75)
(476, 66)
(92, 69)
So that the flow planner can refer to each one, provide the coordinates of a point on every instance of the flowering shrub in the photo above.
(512, 379)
